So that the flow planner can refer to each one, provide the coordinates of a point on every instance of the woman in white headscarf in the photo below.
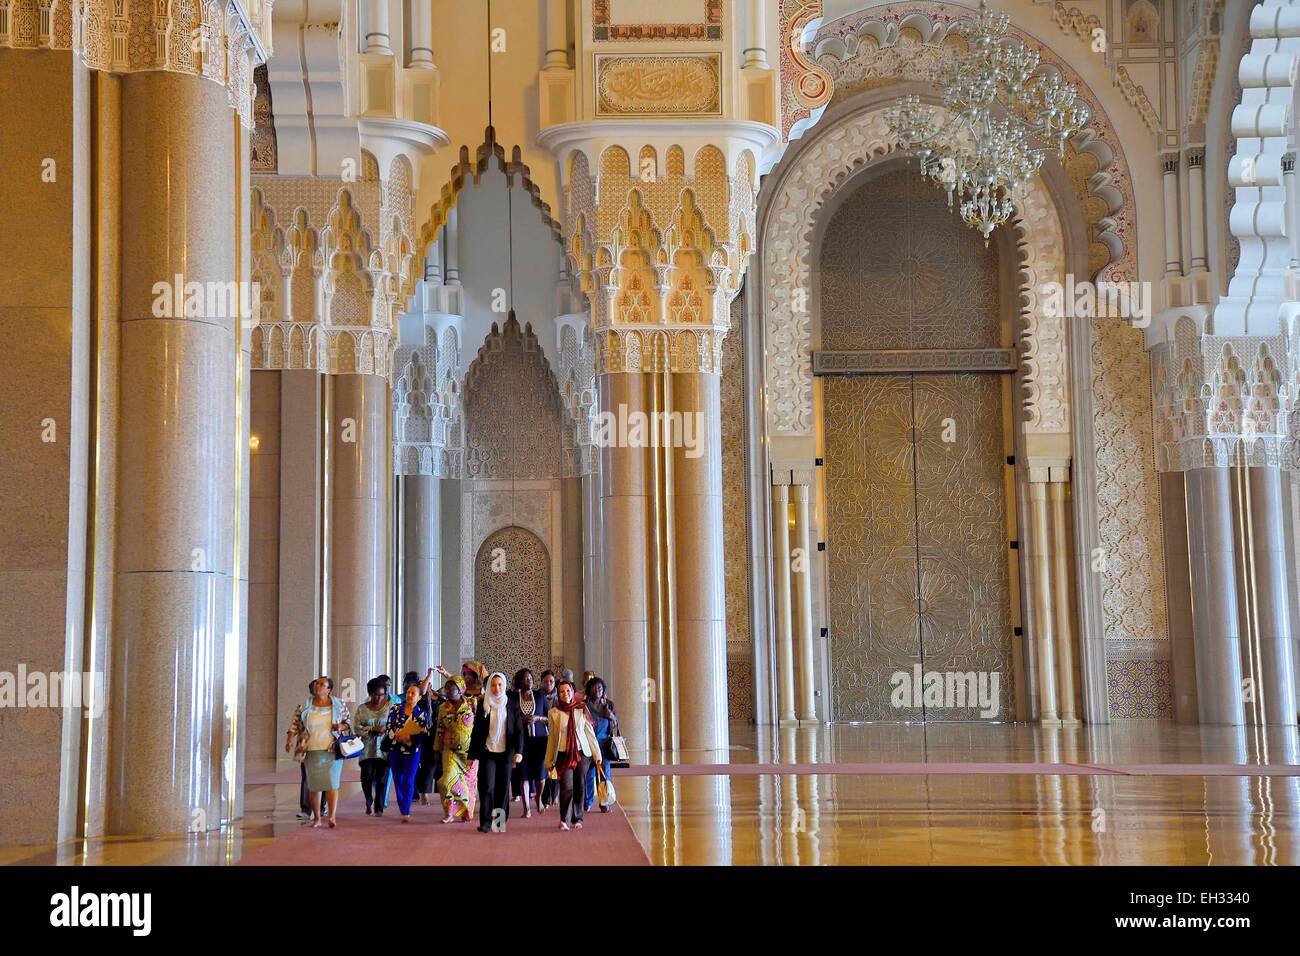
(497, 745)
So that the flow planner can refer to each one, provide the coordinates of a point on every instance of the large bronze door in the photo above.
(917, 536)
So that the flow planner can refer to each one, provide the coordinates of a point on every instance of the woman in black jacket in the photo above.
(533, 708)
(497, 744)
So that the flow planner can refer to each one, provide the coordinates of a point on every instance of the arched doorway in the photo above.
(512, 601)
(916, 374)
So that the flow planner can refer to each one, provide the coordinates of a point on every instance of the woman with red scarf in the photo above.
(571, 748)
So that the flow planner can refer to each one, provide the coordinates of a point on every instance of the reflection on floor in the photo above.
(1148, 793)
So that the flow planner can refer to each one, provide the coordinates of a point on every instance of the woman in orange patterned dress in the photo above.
(455, 725)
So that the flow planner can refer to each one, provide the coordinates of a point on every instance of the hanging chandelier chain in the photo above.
(1004, 111)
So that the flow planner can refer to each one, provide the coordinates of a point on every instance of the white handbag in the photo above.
(349, 747)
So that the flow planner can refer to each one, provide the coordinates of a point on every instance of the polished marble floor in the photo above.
(1151, 793)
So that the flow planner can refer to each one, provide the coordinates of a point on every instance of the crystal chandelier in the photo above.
(1004, 111)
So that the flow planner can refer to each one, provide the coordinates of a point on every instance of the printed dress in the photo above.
(455, 724)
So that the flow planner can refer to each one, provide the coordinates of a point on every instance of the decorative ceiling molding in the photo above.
(1113, 36)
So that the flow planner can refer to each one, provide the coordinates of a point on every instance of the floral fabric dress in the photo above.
(455, 724)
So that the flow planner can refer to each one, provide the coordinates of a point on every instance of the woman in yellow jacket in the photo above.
(571, 748)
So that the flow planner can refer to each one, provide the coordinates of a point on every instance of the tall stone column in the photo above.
(784, 620)
(700, 580)
(1173, 248)
(1197, 257)
(179, 518)
(1229, 455)
(299, 628)
(358, 578)
(660, 257)
(1214, 595)
(624, 545)
(1182, 650)
(421, 591)
(1058, 490)
(801, 576)
(1040, 575)
(596, 647)
(1266, 526)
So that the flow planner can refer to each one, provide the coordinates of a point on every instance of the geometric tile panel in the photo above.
(1139, 689)
(740, 688)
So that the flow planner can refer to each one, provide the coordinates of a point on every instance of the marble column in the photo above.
(1216, 631)
(48, 317)
(377, 36)
(802, 611)
(1293, 203)
(1266, 522)
(661, 632)
(557, 35)
(422, 35)
(1173, 250)
(624, 545)
(1198, 260)
(755, 52)
(1040, 574)
(452, 497)
(358, 523)
(595, 649)
(783, 618)
(178, 514)
(1182, 649)
(451, 246)
(700, 578)
(421, 593)
(300, 549)
(571, 621)
(1058, 491)
(263, 731)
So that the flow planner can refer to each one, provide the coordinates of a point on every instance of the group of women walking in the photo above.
(473, 741)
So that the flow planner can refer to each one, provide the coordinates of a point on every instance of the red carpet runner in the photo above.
(605, 839)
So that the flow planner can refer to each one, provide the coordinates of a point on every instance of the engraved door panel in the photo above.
(964, 601)
(871, 544)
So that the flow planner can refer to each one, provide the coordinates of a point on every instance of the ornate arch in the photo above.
(910, 42)
(1102, 421)
(514, 417)
(855, 140)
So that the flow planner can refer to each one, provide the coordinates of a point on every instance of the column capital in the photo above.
(659, 223)
(1224, 400)
(219, 40)
(793, 473)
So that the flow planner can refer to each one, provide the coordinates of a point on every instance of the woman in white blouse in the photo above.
(571, 748)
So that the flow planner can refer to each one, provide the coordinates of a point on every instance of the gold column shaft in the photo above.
(659, 725)
(1058, 492)
(781, 583)
(665, 455)
(801, 578)
(1041, 577)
